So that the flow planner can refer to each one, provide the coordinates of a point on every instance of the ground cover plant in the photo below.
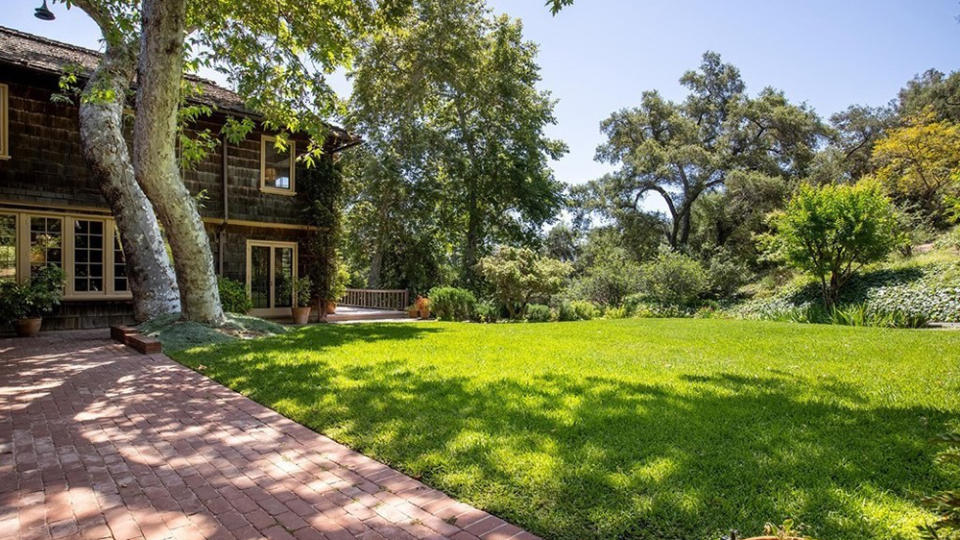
(650, 429)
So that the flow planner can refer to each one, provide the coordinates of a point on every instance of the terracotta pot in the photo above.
(425, 313)
(331, 307)
(28, 327)
(413, 312)
(301, 315)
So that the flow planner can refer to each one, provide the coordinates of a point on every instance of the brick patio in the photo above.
(97, 441)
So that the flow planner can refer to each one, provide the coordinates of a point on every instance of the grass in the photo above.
(648, 429)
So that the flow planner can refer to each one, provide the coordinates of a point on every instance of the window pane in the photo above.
(260, 276)
(87, 256)
(8, 247)
(119, 266)
(276, 167)
(283, 276)
(45, 239)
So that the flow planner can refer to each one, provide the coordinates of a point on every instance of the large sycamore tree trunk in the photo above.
(155, 164)
(149, 274)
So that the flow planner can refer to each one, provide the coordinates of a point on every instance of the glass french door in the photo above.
(271, 271)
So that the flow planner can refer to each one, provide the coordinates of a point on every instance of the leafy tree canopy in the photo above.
(919, 163)
(451, 101)
(831, 231)
(681, 151)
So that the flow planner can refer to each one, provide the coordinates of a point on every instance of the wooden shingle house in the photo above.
(52, 212)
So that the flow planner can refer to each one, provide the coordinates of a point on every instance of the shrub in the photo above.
(673, 279)
(539, 313)
(615, 313)
(519, 275)
(831, 231)
(725, 274)
(452, 304)
(863, 315)
(233, 296)
(32, 299)
(303, 291)
(610, 275)
(634, 303)
(487, 312)
(565, 312)
(584, 310)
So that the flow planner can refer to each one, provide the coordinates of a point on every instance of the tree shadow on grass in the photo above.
(596, 457)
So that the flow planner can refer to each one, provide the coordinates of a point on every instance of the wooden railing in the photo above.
(397, 299)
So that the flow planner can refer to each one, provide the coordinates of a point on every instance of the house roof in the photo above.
(50, 56)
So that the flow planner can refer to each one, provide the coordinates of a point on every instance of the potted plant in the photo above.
(24, 304)
(423, 307)
(302, 293)
(413, 311)
(337, 289)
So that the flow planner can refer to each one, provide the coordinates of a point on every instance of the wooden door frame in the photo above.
(271, 311)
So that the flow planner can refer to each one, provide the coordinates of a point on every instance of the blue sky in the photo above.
(599, 55)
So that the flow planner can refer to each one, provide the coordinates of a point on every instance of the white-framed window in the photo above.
(93, 265)
(271, 272)
(4, 121)
(277, 167)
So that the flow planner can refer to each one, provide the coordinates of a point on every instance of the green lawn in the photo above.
(654, 429)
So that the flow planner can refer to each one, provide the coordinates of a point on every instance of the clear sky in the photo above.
(599, 55)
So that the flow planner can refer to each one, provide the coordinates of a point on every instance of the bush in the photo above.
(831, 231)
(487, 312)
(233, 296)
(673, 279)
(303, 291)
(725, 274)
(863, 315)
(519, 275)
(452, 304)
(615, 313)
(565, 312)
(539, 313)
(584, 310)
(610, 274)
(633, 303)
(32, 299)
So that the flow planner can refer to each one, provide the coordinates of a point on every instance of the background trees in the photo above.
(681, 152)
(451, 111)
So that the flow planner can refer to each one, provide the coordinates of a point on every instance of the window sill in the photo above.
(278, 191)
(79, 297)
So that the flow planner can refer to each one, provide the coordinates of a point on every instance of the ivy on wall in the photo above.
(321, 186)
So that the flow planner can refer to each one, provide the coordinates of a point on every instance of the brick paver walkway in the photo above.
(97, 441)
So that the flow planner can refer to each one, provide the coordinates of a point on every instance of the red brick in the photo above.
(164, 452)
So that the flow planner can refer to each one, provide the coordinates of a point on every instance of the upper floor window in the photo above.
(277, 167)
(4, 122)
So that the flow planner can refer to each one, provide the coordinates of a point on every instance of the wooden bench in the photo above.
(143, 344)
